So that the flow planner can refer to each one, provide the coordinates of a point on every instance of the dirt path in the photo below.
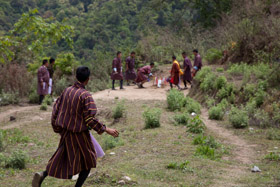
(150, 92)
(243, 153)
(5, 116)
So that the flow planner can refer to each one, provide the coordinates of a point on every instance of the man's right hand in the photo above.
(112, 132)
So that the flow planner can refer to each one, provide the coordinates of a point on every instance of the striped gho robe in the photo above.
(73, 116)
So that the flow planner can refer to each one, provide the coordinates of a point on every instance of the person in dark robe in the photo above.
(43, 77)
(197, 62)
(175, 73)
(187, 77)
(51, 72)
(142, 74)
(117, 71)
(73, 117)
(130, 65)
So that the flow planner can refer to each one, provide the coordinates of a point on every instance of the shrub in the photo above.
(33, 97)
(220, 82)
(208, 83)
(226, 91)
(261, 119)
(223, 104)
(196, 125)
(17, 160)
(200, 76)
(273, 134)
(273, 156)
(152, 117)
(44, 106)
(192, 105)
(216, 112)
(60, 86)
(212, 55)
(172, 165)
(119, 110)
(238, 117)
(220, 70)
(260, 97)
(9, 98)
(238, 69)
(182, 118)
(48, 100)
(175, 100)
(210, 102)
(206, 151)
(111, 142)
(207, 141)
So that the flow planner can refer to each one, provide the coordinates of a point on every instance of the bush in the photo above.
(238, 69)
(175, 100)
(273, 156)
(60, 86)
(220, 70)
(44, 106)
(261, 119)
(9, 98)
(152, 117)
(260, 97)
(207, 141)
(216, 112)
(119, 110)
(238, 117)
(48, 100)
(212, 55)
(182, 118)
(111, 142)
(208, 83)
(206, 151)
(210, 102)
(192, 105)
(220, 82)
(17, 160)
(196, 125)
(200, 76)
(225, 92)
(273, 134)
(33, 97)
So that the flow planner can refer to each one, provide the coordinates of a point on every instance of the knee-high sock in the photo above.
(82, 178)
(185, 83)
(113, 84)
(121, 83)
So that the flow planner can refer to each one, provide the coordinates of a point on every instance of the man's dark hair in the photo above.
(195, 51)
(152, 64)
(45, 61)
(132, 53)
(82, 73)
(184, 53)
(118, 53)
(174, 57)
(52, 60)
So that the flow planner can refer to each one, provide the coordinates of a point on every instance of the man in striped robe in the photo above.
(72, 117)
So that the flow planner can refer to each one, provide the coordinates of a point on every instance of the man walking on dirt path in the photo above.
(141, 74)
(72, 117)
(51, 72)
(175, 73)
(187, 77)
(197, 62)
(43, 77)
(130, 65)
(117, 73)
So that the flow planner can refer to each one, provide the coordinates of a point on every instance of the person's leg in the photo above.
(178, 86)
(82, 178)
(41, 98)
(128, 84)
(113, 84)
(39, 178)
(121, 84)
(185, 83)
(171, 86)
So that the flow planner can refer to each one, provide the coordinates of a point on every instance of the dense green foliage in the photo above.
(152, 118)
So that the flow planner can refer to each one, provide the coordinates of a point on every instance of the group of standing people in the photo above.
(45, 79)
(189, 69)
(131, 76)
